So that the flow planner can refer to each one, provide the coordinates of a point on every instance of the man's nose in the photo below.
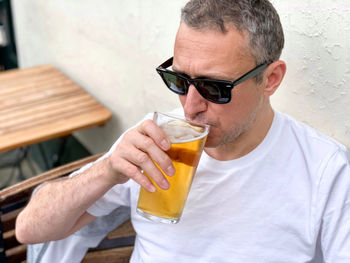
(194, 102)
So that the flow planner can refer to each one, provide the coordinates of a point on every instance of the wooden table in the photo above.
(41, 103)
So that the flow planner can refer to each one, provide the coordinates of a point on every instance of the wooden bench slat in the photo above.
(9, 219)
(16, 254)
(115, 255)
(10, 240)
(28, 185)
(124, 230)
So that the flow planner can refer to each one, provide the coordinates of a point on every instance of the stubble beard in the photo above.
(239, 131)
(236, 131)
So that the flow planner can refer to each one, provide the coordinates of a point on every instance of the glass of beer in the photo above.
(187, 143)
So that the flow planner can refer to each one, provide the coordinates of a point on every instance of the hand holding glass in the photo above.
(187, 143)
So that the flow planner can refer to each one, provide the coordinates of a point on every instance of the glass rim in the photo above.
(181, 118)
(206, 127)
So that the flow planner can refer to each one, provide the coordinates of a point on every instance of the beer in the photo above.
(187, 142)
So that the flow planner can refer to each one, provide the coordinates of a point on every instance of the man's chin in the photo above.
(211, 142)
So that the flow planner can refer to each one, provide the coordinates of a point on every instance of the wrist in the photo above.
(111, 175)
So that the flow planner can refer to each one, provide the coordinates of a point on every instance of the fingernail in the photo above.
(164, 183)
(170, 170)
(165, 144)
(152, 188)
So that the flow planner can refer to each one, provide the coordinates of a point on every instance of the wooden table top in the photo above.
(41, 103)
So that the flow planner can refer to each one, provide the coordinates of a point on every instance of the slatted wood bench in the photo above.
(14, 198)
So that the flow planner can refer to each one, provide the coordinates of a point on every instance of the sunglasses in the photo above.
(213, 90)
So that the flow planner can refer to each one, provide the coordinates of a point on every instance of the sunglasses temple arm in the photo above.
(254, 72)
(167, 63)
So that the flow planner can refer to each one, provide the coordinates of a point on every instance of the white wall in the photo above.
(111, 49)
(316, 89)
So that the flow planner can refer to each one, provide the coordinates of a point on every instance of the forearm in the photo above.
(57, 206)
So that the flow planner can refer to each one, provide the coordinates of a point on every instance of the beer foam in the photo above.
(181, 131)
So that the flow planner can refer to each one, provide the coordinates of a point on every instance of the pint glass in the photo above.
(187, 143)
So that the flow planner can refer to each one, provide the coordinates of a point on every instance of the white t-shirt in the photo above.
(286, 201)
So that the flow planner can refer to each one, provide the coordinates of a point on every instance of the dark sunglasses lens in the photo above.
(214, 91)
(175, 83)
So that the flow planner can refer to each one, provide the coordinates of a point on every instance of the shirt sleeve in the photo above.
(117, 196)
(335, 221)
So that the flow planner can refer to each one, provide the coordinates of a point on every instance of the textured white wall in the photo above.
(111, 49)
(316, 89)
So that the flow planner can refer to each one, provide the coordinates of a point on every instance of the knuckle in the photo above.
(143, 181)
(131, 171)
(127, 135)
(164, 160)
(141, 158)
(144, 125)
(148, 142)
(157, 175)
(121, 153)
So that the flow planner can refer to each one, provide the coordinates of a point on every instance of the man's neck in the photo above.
(247, 141)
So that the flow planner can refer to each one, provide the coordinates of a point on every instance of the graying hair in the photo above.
(258, 17)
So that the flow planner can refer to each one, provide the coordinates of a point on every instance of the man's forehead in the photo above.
(209, 49)
(211, 40)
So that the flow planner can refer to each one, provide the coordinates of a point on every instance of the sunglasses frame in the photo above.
(228, 85)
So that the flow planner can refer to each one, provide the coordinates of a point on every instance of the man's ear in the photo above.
(274, 74)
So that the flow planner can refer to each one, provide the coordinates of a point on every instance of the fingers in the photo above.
(151, 153)
(150, 129)
(154, 142)
(138, 150)
(143, 161)
(135, 173)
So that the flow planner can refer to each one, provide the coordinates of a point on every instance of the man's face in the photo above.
(212, 54)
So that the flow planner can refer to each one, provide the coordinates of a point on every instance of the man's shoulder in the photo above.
(307, 137)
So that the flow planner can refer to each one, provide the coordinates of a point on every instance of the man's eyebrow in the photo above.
(180, 72)
(213, 77)
(173, 68)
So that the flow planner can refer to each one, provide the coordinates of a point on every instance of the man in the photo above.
(267, 189)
